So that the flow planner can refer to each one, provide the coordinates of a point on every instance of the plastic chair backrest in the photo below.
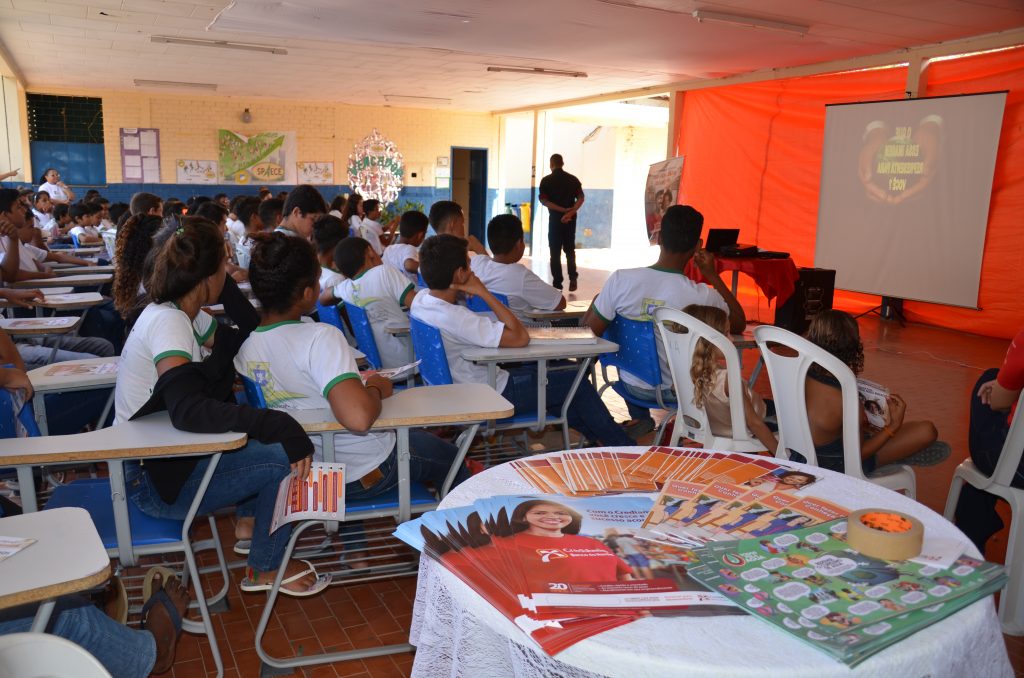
(44, 654)
(1013, 448)
(419, 280)
(253, 393)
(679, 349)
(638, 349)
(364, 335)
(788, 377)
(74, 240)
(329, 314)
(478, 305)
(26, 417)
(429, 348)
(110, 242)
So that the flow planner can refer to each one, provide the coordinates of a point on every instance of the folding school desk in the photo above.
(67, 557)
(149, 437)
(77, 280)
(76, 269)
(541, 354)
(420, 407)
(73, 375)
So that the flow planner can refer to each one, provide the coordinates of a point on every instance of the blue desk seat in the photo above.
(93, 494)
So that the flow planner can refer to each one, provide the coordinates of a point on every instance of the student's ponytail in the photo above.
(182, 257)
(133, 243)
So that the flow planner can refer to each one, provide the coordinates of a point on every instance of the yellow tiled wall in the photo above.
(326, 132)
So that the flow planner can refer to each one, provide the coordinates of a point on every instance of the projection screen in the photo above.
(905, 190)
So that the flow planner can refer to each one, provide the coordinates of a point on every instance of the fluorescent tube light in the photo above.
(751, 22)
(409, 98)
(536, 71)
(172, 83)
(222, 44)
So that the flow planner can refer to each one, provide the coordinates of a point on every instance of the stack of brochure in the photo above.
(565, 568)
(809, 583)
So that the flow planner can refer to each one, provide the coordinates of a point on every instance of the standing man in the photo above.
(562, 194)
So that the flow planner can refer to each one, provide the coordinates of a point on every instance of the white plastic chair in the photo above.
(41, 655)
(693, 420)
(788, 376)
(109, 241)
(1011, 603)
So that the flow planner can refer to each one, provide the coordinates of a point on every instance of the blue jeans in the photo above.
(69, 412)
(587, 413)
(248, 478)
(668, 396)
(123, 651)
(430, 459)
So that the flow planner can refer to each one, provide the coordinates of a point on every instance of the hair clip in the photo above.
(180, 231)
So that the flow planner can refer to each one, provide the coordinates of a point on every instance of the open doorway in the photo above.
(469, 187)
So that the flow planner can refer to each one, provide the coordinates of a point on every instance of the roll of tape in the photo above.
(885, 534)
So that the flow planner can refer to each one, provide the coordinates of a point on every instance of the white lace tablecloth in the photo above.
(458, 634)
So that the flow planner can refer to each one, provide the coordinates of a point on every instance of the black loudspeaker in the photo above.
(813, 294)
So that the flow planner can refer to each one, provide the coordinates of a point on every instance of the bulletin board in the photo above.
(140, 155)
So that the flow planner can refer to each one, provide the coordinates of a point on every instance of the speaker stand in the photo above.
(891, 308)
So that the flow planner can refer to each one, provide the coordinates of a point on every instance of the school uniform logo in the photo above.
(547, 555)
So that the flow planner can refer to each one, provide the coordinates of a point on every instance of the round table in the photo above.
(457, 633)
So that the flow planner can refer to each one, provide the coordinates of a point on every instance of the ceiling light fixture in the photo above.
(751, 22)
(173, 83)
(409, 98)
(536, 71)
(222, 44)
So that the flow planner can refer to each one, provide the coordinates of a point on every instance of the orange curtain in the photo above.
(753, 162)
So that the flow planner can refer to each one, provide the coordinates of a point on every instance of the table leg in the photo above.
(542, 394)
(404, 489)
(43, 614)
(465, 440)
(106, 411)
(735, 282)
(122, 524)
(27, 489)
(492, 379)
(580, 374)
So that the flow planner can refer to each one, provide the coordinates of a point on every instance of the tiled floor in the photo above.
(933, 369)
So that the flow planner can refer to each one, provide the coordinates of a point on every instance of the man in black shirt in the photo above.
(562, 194)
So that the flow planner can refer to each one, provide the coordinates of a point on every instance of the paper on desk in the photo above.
(561, 335)
(60, 370)
(11, 545)
(320, 496)
(940, 553)
(396, 373)
(39, 322)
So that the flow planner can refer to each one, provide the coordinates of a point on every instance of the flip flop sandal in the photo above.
(115, 602)
(147, 583)
(242, 547)
(936, 453)
(161, 597)
(322, 582)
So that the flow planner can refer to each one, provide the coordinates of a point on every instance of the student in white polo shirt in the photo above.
(372, 230)
(635, 293)
(328, 231)
(502, 272)
(444, 260)
(379, 290)
(302, 208)
(404, 255)
(310, 366)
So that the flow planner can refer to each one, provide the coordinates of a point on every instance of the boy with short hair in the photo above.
(379, 290)
(636, 292)
(404, 255)
(369, 228)
(446, 216)
(84, 216)
(502, 272)
(444, 263)
(147, 203)
(270, 213)
(247, 211)
(302, 207)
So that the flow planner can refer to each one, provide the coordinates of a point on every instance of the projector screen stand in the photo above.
(890, 309)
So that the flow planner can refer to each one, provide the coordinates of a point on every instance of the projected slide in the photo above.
(905, 190)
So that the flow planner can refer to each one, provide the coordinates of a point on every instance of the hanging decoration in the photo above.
(376, 168)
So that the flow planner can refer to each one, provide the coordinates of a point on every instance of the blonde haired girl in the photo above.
(711, 388)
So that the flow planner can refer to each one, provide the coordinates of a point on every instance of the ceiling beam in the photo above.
(977, 43)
